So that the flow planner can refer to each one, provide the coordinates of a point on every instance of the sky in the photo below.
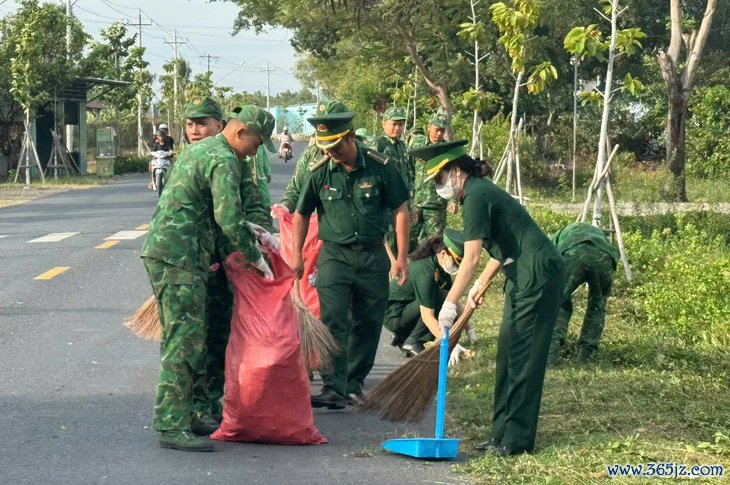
(239, 61)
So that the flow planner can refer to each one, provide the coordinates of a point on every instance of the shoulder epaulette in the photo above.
(377, 157)
(316, 164)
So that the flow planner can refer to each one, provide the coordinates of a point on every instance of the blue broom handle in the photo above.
(441, 393)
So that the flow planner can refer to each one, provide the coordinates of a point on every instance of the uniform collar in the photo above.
(359, 161)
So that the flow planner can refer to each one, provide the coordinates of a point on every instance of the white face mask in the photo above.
(446, 190)
(449, 266)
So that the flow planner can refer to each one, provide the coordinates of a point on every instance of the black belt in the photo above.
(361, 245)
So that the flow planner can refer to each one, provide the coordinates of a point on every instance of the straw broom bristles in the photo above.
(407, 393)
(317, 343)
(145, 323)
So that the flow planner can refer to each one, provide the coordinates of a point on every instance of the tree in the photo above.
(41, 65)
(679, 74)
(516, 24)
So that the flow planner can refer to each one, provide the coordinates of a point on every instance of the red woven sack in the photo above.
(310, 253)
(267, 393)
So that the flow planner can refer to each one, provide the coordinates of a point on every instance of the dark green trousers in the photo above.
(208, 386)
(584, 263)
(181, 308)
(353, 293)
(408, 324)
(522, 350)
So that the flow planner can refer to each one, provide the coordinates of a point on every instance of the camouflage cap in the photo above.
(203, 107)
(438, 155)
(439, 120)
(332, 122)
(394, 113)
(257, 120)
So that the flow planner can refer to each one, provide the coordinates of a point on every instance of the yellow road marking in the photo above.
(52, 273)
(143, 227)
(107, 245)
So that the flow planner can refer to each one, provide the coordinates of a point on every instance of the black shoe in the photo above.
(356, 399)
(396, 340)
(204, 425)
(505, 451)
(487, 445)
(329, 398)
(412, 350)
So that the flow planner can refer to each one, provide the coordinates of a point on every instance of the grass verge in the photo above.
(14, 194)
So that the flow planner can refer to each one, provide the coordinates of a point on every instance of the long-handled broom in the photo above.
(407, 393)
(317, 343)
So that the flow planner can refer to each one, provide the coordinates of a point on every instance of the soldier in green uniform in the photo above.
(203, 192)
(589, 258)
(203, 118)
(350, 190)
(395, 150)
(430, 208)
(413, 307)
(535, 276)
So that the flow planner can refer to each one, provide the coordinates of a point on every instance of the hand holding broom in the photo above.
(407, 393)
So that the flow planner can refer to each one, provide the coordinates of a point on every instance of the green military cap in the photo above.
(454, 242)
(332, 122)
(439, 120)
(394, 113)
(438, 155)
(416, 130)
(257, 120)
(203, 107)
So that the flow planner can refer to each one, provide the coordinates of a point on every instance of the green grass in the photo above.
(642, 400)
(13, 194)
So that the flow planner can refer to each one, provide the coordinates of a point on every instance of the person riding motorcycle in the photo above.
(285, 147)
(162, 141)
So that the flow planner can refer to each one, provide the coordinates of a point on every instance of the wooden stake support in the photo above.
(61, 158)
(28, 155)
(510, 163)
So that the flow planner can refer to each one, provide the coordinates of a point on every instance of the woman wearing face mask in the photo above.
(535, 277)
(413, 308)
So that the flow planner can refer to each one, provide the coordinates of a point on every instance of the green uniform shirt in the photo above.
(203, 190)
(350, 206)
(426, 280)
(396, 152)
(308, 158)
(509, 234)
(425, 196)
(581, 232)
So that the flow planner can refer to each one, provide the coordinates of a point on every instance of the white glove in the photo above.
(471, 300)
(447, 315)
(265, 237)
(456, 355)
(261, 265)
(256, 228)
(471, 334)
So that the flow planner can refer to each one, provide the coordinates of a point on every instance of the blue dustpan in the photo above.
(438, 447)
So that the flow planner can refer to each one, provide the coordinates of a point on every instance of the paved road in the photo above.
(77, 388)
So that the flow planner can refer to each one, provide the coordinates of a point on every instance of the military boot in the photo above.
(203, 425)
(184, 440)
(584, 356)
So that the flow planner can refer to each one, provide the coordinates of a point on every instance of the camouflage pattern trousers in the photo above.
(181, 308)
(584, 263)
(431, 222)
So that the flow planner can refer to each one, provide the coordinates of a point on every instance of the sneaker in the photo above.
(203, 425)
(411, 350)
(184, 440)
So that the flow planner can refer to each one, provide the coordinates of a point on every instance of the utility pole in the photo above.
(209, 57)
(175, 43)
(140, 144)
(268, 70)
(69, 129)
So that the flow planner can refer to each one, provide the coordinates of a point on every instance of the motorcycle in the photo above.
(161, 162)
(285, 152)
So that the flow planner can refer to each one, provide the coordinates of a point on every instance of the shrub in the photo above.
(708, 145)
(131, 165)
(682, 281)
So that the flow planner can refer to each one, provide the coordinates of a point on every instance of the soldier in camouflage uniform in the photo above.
(310, 156)
(589, 258)
(391, 145)
(203, 192)
(430, 208)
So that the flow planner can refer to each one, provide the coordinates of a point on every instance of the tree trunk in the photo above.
(676, 154)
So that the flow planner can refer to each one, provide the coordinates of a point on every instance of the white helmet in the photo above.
(162, 127)
(286, 128)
